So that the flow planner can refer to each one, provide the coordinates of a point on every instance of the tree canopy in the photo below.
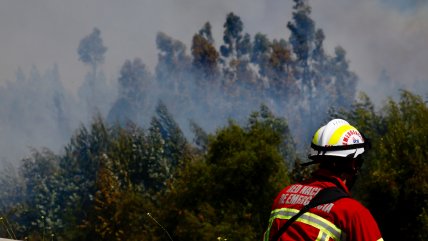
(139, 171)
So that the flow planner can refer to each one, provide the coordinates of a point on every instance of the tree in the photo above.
(59, 104)
(281, 74)
(345, 80)
(79, 169)
(135, 82)
(13, 203)
(106, 199)
(394, 176)
(173, 63)
(224, 194)
(200, 137)
(318, 54)
(302, 34)
(206, 33)
(174, 141)
(261, 52)
(41, 214)
(205, 68)
(91, 50)
(268, 120)
(94, 90)
(239, 79)
(205, 57)
(232, 36)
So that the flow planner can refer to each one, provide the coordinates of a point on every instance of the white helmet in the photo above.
(337, 138)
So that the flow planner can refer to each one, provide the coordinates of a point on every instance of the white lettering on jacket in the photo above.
(300, 194)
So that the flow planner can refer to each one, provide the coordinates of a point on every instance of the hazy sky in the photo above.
(377, 34)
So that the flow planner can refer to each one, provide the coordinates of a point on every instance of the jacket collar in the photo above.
(326, 175)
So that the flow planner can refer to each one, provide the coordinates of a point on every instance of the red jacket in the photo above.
(345, 219)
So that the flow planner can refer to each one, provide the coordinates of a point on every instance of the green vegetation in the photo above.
(134, 174)
(111, 176)
(394, 183)
(118, 182)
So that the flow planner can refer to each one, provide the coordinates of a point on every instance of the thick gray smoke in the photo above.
(41, 76)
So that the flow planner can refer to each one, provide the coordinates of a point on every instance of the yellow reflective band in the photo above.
(311, 219)
(267, 233)
(316, 136)
(335, 137)
(322, 236)
(381, 239)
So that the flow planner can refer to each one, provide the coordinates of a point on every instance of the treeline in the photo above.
(294, 77)
(116, 182)
(394, 182)
(140, 171)
(128, 183)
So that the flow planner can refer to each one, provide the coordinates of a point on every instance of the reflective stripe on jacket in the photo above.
(345, 219)
(325, 228)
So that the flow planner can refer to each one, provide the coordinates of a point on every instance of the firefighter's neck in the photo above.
(349, 179)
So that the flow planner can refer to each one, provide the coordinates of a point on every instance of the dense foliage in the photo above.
(126, 183)
(111, 177)
(138, 171)
(296, 77)
(394, 184)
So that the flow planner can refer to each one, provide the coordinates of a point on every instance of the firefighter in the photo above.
(337, 148)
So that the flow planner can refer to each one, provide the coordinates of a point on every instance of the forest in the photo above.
(198, 149)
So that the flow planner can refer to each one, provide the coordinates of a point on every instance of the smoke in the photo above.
(380, 37)
(384, 40)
